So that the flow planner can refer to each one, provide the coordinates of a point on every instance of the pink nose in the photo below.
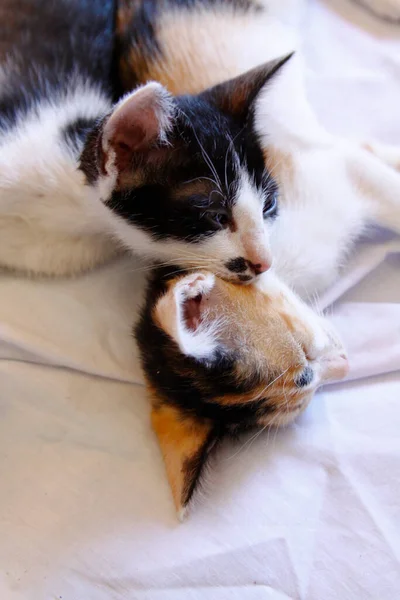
(259, 267)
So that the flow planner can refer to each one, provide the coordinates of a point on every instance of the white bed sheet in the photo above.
(312, 512)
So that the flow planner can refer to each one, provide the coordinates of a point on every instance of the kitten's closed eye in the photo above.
(211, 208)
(270, 204)
(221, 358)
(218, 217)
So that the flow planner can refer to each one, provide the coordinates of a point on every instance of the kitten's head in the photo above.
(186, 176)
(221, 358)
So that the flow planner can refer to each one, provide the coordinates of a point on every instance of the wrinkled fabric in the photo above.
(311, 512)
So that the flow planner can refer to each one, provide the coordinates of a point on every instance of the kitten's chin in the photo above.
(333, 367)
(286, 416)
(238, 279)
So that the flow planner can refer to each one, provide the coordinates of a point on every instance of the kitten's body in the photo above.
(330, 189)
(55, 82)
(80, 179)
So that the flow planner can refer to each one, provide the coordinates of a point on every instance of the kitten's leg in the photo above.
(379, 185)
(389, 154)
(388, 10)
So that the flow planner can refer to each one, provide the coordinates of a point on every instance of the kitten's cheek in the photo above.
(285, 415)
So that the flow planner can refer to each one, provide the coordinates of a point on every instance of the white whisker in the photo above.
(206, 157)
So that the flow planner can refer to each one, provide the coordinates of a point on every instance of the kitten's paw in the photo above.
(384, 9)
(194, 285)
(389, 154)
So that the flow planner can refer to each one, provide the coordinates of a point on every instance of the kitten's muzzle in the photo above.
(245, 270)
(332, 367)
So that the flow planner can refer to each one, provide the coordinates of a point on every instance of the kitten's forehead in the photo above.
(209, 123)
(217, 137)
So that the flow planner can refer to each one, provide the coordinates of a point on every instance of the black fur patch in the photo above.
(136, 27)
(89, 161)
(237, 265)
(245, 278)
(206, 145)
(76, 133)
(46, 43)
(194, 465)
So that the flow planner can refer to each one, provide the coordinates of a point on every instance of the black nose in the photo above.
(305, 378)
(237, 265)
(241, 265)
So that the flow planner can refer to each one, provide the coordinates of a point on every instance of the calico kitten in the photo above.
(174, 179)
(220, 359)
(330, 189)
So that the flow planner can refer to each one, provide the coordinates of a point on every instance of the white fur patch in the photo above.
(252, 228)
(49, 221)
(200, 343)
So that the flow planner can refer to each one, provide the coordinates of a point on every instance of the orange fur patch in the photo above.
(194, 54)
(180, 439)
(281, 166)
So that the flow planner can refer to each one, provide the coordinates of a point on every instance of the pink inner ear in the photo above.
(137, 124)
(192, 313)
(135, 129)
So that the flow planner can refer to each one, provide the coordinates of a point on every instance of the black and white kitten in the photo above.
(330, 188)
(174, 179)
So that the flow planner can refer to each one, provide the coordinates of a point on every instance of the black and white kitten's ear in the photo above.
(139, 123)
(185, 443)
(236, 96)
(182, 313)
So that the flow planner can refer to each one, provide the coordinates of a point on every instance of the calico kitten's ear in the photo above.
(138, 123)
(180, 311)
(185, 444)
(237, 95)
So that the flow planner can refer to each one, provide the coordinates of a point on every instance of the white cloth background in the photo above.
(311, 513)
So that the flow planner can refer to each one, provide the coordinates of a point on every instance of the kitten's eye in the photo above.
(218, 219)
(270, 204)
